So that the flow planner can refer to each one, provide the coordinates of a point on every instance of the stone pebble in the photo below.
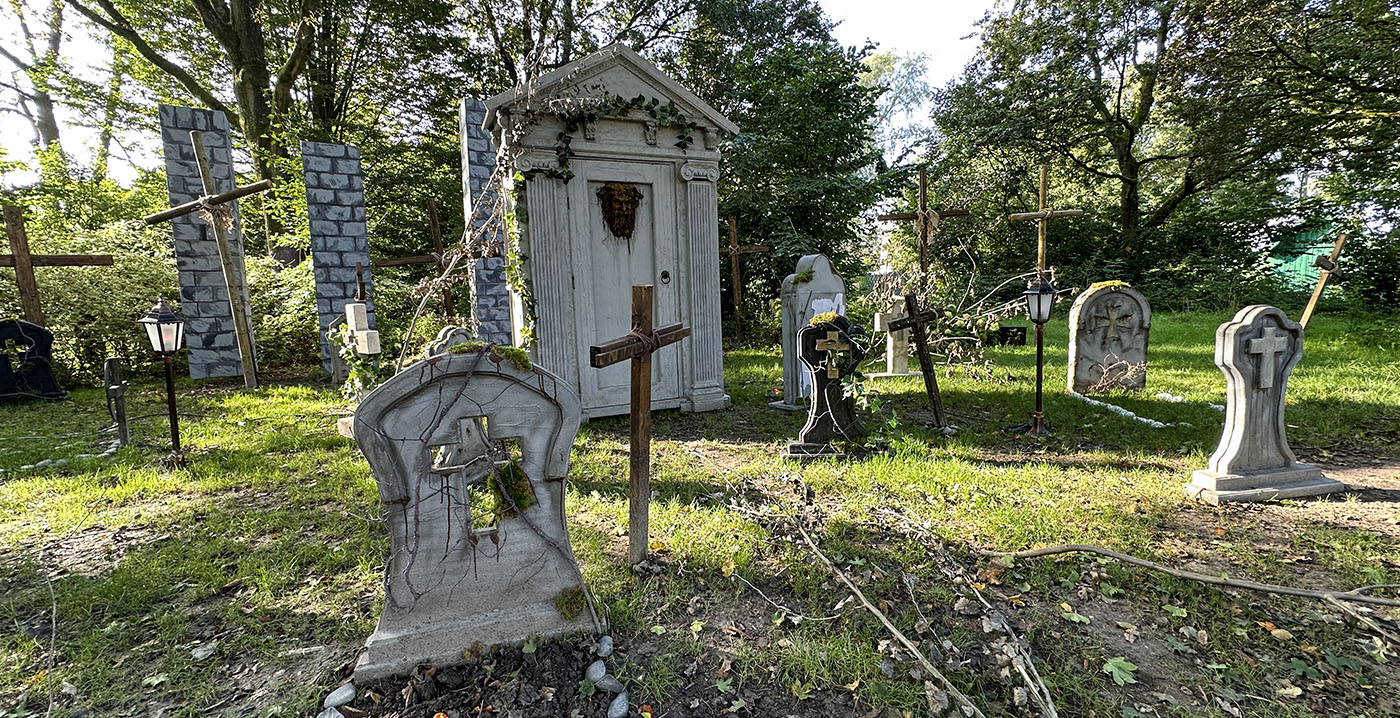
(618, 707)
(340, 696)
(596, 671)
(610, 684)
(605, 646)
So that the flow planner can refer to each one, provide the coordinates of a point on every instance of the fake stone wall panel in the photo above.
(490, 294)
(209, 333)
(335, 207)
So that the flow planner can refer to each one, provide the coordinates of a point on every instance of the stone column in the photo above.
(706, 350)
(490, 294)
(335, 205)
(209, 333)
(550, 268)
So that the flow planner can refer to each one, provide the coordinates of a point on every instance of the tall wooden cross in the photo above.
(215, 207)
(917, 322)
(1042, 216)
(24, 264)
(1328, 265)
(735, 281)
(638, 346)
(438, 257)
(925, 221)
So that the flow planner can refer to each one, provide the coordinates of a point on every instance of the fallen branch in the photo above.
(1355, 595)
(969, 708)
(1375, 627)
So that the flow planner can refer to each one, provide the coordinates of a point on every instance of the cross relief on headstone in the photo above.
(1257, 351)
(830, 352)
(917, 322)
(470, 452)
(1109, 325)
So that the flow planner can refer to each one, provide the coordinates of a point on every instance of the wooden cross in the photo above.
(830, 343)
(917, 322)
(638, 346)
(925, 220)
(438, 257)
(1043, 216)
(1268, 345)
(1328, 265)
(735, 281)
(24, 264)
(219, 217)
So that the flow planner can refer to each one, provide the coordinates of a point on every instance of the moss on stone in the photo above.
(515, 483)
(570, 603)
(1114, 283)
(823, 318)
(515, 356)
(803, 276)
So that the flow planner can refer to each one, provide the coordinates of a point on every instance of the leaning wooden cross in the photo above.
(917, 322)
(217, 213)
(638, 346)
(1042, 216)
(1328, 265)
(24, 264)
(735, 281)
(925, 221)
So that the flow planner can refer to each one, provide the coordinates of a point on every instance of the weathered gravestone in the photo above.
(896, 343)
(830, 351)
(811, 290)
(471, 451)
(635, 205)
(1257, 351)
(1108, 328)
(26, 363)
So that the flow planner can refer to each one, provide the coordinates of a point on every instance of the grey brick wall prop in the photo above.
(209, 333)
(335, 207)
(491, 296)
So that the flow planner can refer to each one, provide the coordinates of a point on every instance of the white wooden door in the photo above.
(605, 269)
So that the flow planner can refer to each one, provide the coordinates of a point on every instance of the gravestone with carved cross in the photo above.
(815, 288)
(1108, 331)
(736, 282)
(638, 345)
(470, 452)
(917, 321)
(830, 350)
(24, 264)
(1257, 351)
(896, 343)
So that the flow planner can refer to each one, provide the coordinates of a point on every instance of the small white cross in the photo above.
(1268, 346)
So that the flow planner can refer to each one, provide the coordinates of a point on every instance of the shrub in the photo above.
(285, 322)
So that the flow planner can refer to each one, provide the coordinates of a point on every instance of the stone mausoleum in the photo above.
(619, 164)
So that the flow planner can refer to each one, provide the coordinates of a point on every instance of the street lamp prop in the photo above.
(1040, 299)
(166, 330)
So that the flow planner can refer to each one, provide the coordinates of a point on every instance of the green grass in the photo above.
(267, 542)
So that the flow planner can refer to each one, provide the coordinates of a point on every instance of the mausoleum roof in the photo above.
(578, 72)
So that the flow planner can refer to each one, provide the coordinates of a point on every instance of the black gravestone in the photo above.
(26, 363)
(831, 351)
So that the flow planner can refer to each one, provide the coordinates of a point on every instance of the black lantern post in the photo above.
(1040, 299)
(166, 330)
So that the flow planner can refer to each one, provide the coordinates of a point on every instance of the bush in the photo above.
(285, 322)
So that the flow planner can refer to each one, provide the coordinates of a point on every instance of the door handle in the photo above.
(665, 277)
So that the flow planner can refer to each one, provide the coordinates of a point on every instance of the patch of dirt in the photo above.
(251, 687)
(546, 684)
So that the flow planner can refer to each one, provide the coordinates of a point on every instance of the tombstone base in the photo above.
(709, 401)
(391, 651)
(784, 406)
(1298, 481)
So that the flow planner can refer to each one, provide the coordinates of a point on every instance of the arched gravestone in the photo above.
(1108, 328)
(1257, 351)
(26, 363)
(470, 452)
(811, 290)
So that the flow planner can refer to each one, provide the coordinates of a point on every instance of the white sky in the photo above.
(937, 28)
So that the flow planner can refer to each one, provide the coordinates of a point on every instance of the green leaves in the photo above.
(1120, 670)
